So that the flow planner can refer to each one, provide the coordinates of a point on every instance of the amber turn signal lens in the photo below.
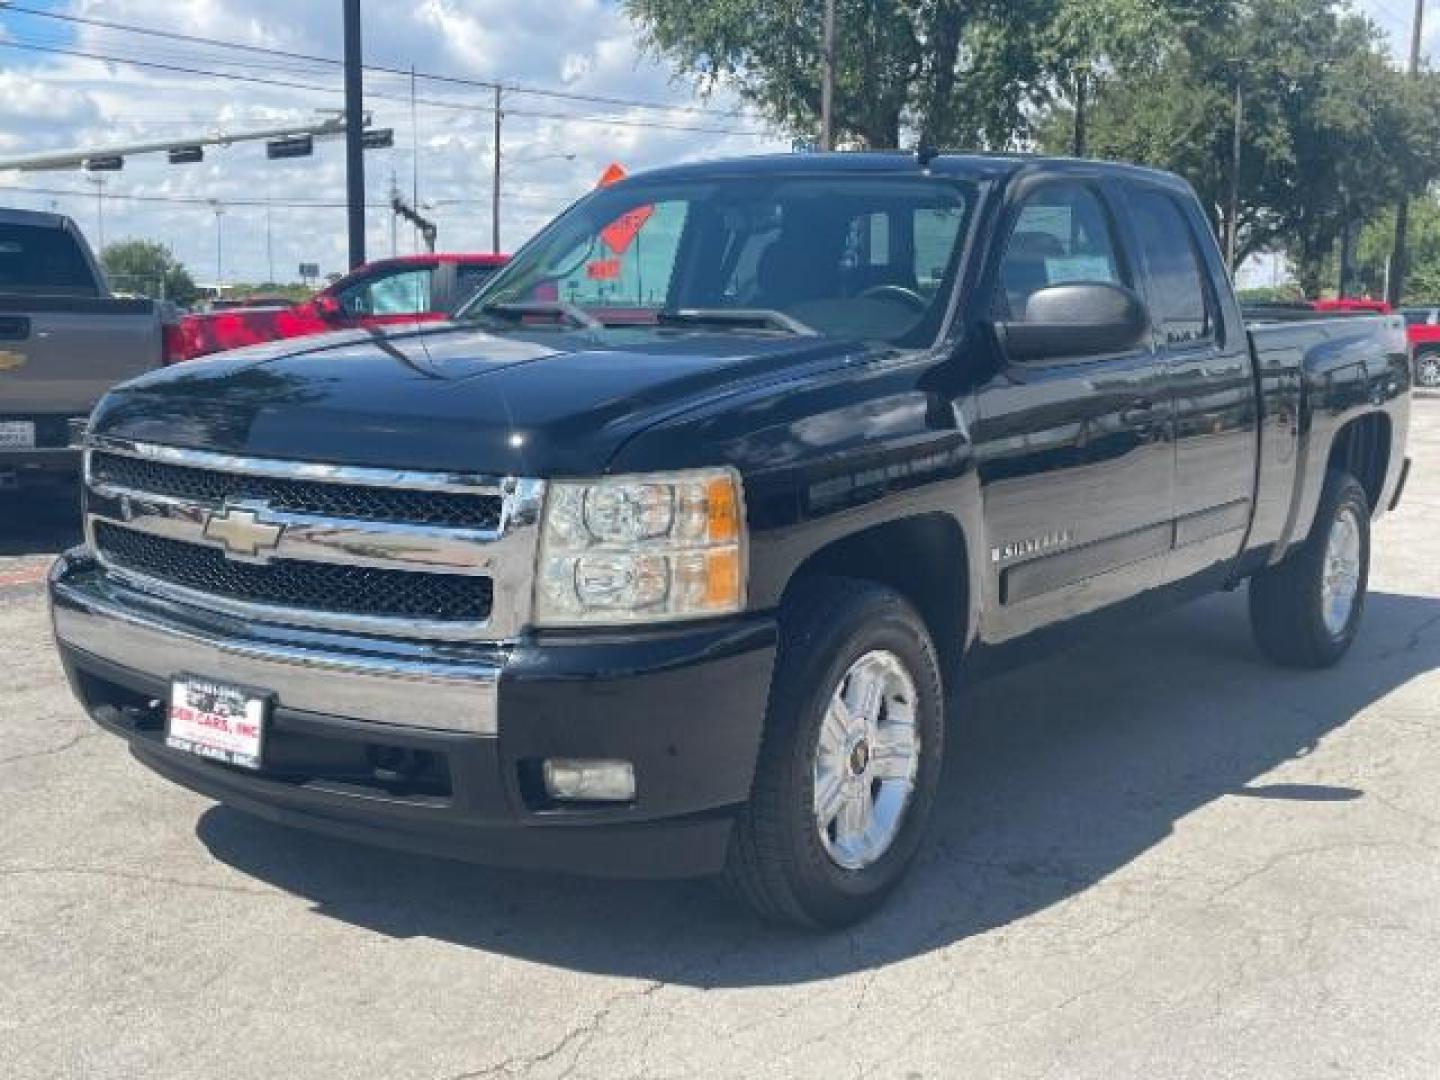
(722, 578)
(723, 511)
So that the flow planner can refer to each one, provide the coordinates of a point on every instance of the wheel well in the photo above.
(1362, 448)
(923, 558)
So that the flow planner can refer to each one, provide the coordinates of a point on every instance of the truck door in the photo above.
(1076, 461)
(1207, 356)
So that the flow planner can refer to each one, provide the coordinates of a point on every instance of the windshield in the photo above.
(860, 257)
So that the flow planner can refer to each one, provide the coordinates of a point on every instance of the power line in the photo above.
(512, 88)
(288, 84)
(279, 204)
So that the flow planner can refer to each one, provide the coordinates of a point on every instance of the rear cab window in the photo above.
(43, 261)
(469, 277)
(1182, 299)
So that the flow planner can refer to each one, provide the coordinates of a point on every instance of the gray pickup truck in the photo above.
(64, 341)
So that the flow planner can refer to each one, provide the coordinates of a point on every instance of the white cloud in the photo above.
(584, 46)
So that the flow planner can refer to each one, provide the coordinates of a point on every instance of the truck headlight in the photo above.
(628, 549)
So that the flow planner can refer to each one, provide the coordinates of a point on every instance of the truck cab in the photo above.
(665, 557)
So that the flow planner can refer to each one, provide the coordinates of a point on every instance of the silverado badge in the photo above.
(1034, 545)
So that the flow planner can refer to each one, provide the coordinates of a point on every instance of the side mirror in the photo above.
(327, 307)
(1076, 321)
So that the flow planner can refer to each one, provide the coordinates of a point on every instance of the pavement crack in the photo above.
(74, 740)
(1414, 641)
(582, 1033)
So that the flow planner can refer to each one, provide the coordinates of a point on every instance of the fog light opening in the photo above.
(589, 780)
(397, 765)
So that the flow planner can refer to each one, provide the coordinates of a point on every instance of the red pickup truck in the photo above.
(407, 289)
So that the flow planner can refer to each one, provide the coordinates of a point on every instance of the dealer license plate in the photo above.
(17, 435)
(217, 721)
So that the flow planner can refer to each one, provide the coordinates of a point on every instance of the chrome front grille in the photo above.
(358, 502)
(316, 587)
(405, 554)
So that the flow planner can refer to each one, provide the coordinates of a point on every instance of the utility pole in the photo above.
(269, 245)
(219, 245)
(827, 80)
(1400, 255)
(354, 130)
(1082, 91)
(1232, 232)
(394, 218)
(1346, 243)
(495, 178)
(99, 181)
(414, 157)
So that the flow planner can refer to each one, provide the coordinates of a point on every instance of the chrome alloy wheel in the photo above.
(1340, 586)
(866, 760)
(1427, 370)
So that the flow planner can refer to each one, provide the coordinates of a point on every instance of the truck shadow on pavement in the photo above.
(43, 521)
(1059, 775)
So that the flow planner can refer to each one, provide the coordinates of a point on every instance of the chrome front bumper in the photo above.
(402, 684)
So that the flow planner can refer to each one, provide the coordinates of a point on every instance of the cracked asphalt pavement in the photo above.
(1155, 856)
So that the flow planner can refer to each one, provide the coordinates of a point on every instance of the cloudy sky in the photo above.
(53, 99)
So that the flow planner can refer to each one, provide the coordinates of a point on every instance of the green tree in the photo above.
(950, 72)
(1375, 243)
(148, 268)
(1332, 132)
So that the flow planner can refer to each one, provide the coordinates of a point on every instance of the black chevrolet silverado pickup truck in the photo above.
(661, 558)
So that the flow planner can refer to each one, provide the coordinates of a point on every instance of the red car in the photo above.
(1422, 328)
(390, 292)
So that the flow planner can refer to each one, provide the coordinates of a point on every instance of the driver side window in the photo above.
(1062, 236)
(403, 293)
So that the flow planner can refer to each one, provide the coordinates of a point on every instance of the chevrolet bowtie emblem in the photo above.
(242, 533)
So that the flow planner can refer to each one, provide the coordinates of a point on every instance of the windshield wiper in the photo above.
(517, 311)
(738, 318)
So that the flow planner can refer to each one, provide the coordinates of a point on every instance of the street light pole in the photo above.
(827, 80)
(1400, 255)
(99, 182)
(354, 129)
(495, 178)
(219, 245)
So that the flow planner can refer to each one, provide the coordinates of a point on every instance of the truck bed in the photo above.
(58, 356)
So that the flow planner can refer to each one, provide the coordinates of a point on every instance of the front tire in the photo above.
(850, 761)
(1306, 611)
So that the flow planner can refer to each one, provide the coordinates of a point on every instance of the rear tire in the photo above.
(790, 860)
(1306, 611)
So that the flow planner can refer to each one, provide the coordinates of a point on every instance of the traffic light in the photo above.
(291, 147)
(186, 155)
(378, 138)
(111, 163)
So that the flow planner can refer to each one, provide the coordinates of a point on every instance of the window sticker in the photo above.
(1074, 268)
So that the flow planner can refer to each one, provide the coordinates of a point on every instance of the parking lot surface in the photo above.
(1156, 856)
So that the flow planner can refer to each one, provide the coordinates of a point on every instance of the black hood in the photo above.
(538, 403)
